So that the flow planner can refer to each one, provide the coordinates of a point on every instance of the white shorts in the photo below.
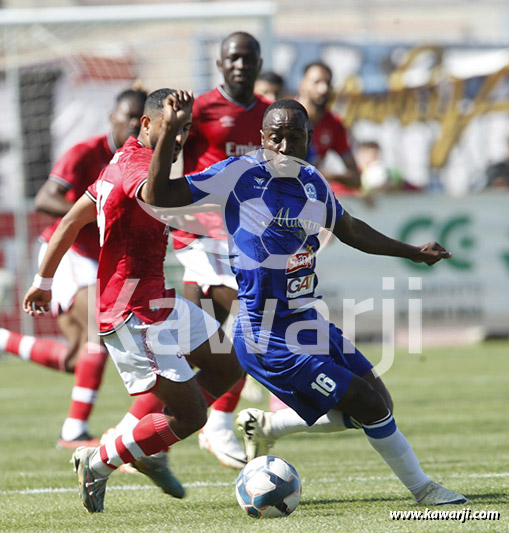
(74, 272)
(142, 351)
(206, 264)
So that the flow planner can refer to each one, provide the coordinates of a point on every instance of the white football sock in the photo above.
(287, 421)
(96, 464)
(398, 454)
(218, 420)
(127, 423)
(73, 428)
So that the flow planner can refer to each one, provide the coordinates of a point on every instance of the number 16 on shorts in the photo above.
(323, 384)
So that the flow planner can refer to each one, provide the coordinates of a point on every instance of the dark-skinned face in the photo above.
(125, 119)
(240, 64)
(285, 132)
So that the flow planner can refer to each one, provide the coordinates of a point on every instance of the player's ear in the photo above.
(219, 65)
(261, 138)
(145, 122)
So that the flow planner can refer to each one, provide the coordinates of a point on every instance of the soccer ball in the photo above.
(268, 487)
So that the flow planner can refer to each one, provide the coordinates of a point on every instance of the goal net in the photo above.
(60, 72)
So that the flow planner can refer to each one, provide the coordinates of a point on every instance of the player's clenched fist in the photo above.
(177, 108)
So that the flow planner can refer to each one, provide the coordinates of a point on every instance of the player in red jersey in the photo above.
(226, 122)
(315, 90)
(74, 171)
(137, 316)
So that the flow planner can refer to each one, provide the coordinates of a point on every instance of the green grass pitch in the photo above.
(451, 403)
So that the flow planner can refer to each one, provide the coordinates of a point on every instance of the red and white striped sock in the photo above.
(151, 434)
(145, 404)
(87, 380)
(45, 352)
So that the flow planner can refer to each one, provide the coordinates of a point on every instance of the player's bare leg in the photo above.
(184, 413)
(217, 435)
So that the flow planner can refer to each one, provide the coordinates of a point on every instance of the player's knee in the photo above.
(364, 403)
(191, 422)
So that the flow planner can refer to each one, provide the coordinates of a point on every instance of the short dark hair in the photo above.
(241, 34)
(139, 94)
(155, 101)
(287, 103)
(320, 64)
(271, 77)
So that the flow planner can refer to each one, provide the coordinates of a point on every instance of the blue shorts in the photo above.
(308, 370)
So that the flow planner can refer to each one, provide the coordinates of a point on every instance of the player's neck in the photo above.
(242, 96)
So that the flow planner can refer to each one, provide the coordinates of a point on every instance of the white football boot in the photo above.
(224, 445)
(256, 428)
(434, 494)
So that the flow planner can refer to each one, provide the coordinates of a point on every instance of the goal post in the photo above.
(60, 70)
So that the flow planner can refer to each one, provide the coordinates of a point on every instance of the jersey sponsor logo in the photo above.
(233, 149)
(227, 121)
(298, 261)
(310, 191)
(300, 286)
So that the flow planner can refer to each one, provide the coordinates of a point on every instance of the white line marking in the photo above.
(231, 483)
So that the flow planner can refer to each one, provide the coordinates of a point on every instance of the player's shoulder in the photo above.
(331, 118)
(97, 142)
(206, 98)
(262, 101)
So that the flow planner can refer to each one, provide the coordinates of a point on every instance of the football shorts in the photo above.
(206, 263)
(142, 352)
(304, 360)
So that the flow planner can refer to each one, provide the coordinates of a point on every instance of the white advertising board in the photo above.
(470, 290)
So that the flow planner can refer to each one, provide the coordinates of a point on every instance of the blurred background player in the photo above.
(315, 92)
(83, 354)
(270, 85)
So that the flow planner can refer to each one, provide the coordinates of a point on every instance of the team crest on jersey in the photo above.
(325, 138)
(298, 261)
(310, 191)
(300, 286)
(227, 121)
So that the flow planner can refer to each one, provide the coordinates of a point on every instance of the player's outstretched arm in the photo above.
(360, 235)
(159, 190)
(83, 212)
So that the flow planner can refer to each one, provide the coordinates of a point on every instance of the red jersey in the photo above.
(133, 243)
(78, 168)
(221, 128)
(330, 134)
